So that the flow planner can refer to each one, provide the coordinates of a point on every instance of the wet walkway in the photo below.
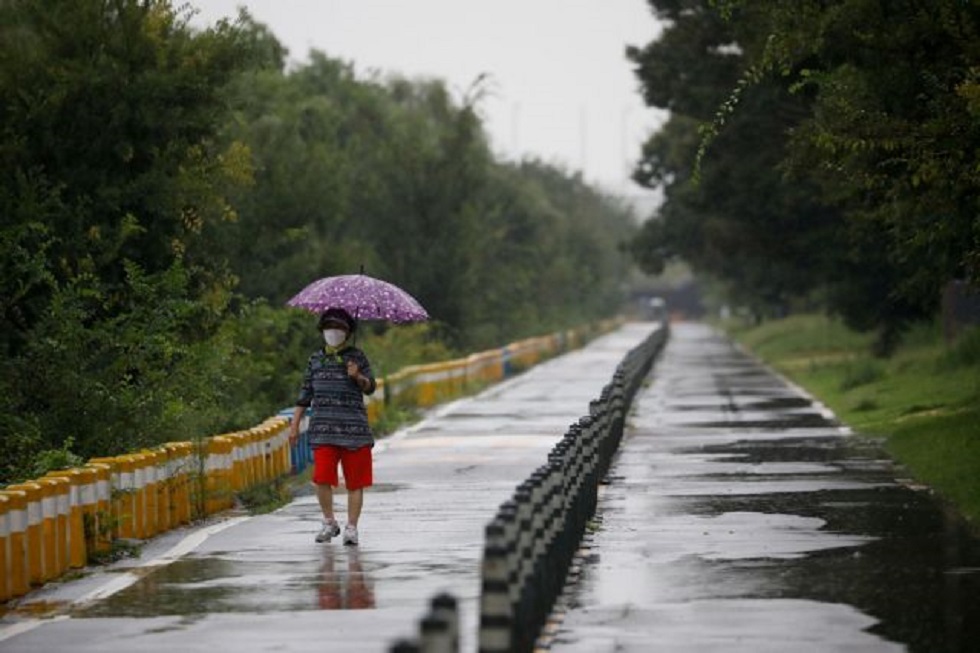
(249, 584)
(740, 518)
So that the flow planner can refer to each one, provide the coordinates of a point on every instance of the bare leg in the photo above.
(324, 494)
(355, 501)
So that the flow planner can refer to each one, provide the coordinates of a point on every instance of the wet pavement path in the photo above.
(262, 584)
(739, 517)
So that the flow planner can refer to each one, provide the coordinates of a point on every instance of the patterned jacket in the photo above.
(334, 401)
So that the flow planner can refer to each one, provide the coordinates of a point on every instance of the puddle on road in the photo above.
(707, 508)
(778, 403)
(190, 586)
(37, 609)
(766, 404)
(845, 452)
(912, 574)
(778, 422)
(891, 552)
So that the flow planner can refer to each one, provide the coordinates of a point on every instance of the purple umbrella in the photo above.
(364, 297)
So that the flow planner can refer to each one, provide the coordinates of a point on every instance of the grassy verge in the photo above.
(272, 495)
(924, 401)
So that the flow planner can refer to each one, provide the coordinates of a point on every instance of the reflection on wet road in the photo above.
(245, 582)
(349, 589)
(740, 517)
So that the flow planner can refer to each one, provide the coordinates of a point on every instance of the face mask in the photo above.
(334, 337)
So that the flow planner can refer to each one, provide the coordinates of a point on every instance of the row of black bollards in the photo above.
(438, 629)
(532, 540)
(530, 544)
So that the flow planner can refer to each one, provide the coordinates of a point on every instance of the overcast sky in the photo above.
(560, 86)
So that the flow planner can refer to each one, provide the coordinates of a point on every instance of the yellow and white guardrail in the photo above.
(427, 385)
(60, 521)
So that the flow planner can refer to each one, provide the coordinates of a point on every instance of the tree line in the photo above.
(819, 153)
(165, 189)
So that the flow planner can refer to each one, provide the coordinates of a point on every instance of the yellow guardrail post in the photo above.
(243, 448)
(113, 520)
(104, 522)
(241, 453)
(226, 495)
(150, 492)
(62, 497)
(375, 404)
(218, 474)
(256, 446)
(165, 484)
(5, 567)
(49, 529)
(4, 547)
(263, 448)
(77, 551)
(263, 442)
(253, 471)
(280, 428)
(184, 469)
(17, 564)
(413, 388)
(126, 491)
(253, 458)
(88, 492)
(33, 538)
(198, 486)
(459, 377)
(266, 440)
(238, 474)
(140, 522)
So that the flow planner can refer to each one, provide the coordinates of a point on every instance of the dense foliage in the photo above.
(836, 145)
(164, 190)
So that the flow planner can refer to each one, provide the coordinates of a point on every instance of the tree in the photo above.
(872, 125)
(396, 175)
(113, 173)
(165, 190)
(111, 112)
(893, 140)
(740, 221)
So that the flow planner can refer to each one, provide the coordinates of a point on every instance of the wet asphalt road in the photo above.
(739, 517)
(262, 584)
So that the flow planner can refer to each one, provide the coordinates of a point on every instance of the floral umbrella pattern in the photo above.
(363, 296)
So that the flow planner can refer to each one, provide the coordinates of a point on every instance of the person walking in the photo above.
(337, 377)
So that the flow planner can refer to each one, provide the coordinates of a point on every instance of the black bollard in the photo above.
(444, 606)
(434, 636)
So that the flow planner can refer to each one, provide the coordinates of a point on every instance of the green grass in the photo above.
(924, 400)
(266, 497)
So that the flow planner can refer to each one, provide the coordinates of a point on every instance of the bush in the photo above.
(965, 352)
(20, 440)
(861, 373)
(54, 459)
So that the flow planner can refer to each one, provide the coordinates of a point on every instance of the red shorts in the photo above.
(355, 462)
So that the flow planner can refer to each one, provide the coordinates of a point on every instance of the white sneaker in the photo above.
(328, 531)
(350, 535)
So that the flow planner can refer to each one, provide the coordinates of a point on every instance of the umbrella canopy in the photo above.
(363, 296)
